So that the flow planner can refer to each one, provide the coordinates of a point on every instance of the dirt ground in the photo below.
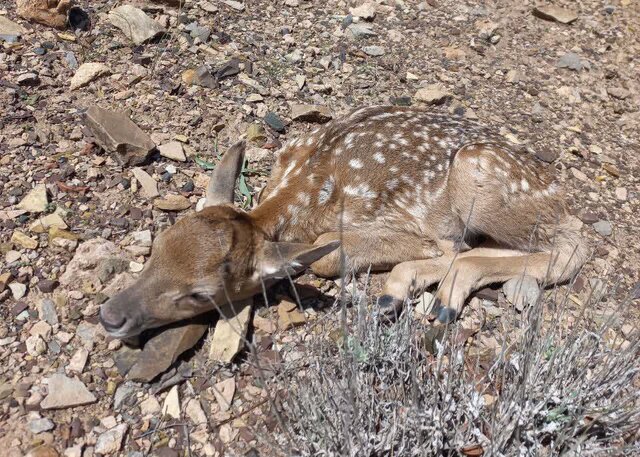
(569, 94)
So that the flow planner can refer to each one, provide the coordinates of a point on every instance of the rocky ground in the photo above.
(77, 220)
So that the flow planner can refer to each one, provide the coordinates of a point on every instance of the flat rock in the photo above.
(274, 121)
(200, 76)
(118, 134)
(603, 228)
(36, 200)
(366, 11)
(172, 202)
(78, 361)
(374, 51)
(521, 291)
(110, 441)
(555, 13)
(42, 451)
(23, 240)
(433, 94)
(233, 4)
(47, 311)
(41, 425)
(66, 392)
(48, 12)
(194, 411)
(43, 224)
(88, 72)
(172, 150)
(135, 24)
(171, 406)
(360, 30)
(18, 290)
(149, 185)
(82, 266)
(150, 406)
(310, 113)
(224, 392)
(572, 61)
(161, 351)
(289, 317)
(9, 30)
(230, 332)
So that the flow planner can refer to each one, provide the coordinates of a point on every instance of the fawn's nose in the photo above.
(112, 322)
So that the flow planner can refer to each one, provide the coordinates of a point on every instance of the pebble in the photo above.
(78, 361)
(41, 425)
(36, 200)
(603, 228)
(172, 150)
(149, 185)
(171, 406)
(194, 412)
(12, 256)
(88, 72)
(310, 113)
(233, 4)
(110, 441)
(150, 406)
(572, 61)
(374, 51)
(224, 392)
(621, 193)
(47, 286)
(360, 30)
(18, 290)
(9, 30)
(172, 202)
(274, 121)
(366, 11)
(555, 13)
(35, 345)
(433, 94)
(66, 392)
(135, 24)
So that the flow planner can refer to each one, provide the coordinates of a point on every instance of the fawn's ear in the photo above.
(280, 259)
(223, 179)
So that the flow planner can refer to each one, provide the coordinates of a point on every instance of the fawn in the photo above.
(433, 198)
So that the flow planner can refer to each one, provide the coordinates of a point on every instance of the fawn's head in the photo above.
(205, 261)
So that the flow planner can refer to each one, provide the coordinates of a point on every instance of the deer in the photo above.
(430, 197)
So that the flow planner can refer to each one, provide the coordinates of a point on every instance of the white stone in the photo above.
(172, 150)
(36, 200)
(195, 413)
(78, 361)
(18, 290)
(171, 404)
(110, 441)
(150, 406)
(65, 392)
(88, 72)
(149, 185)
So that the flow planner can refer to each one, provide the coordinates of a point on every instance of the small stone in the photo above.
(73, 451)
(35, 345)
(521, 291)
(433, 94)
(256, 133)
(10, 257)
(224, 392)
(36, 200)
(149, 185)
(122, 394)
(618, 92)
(229, 334)
(310, 113)
(195, 413)
(142, 238)
(41, 329)
(366, 11)
(579, 175)
(18, 290)
(66, 392)
(171, 406)
(266, 325)
(135, 267)
(172, 202)
(150, 406)
(172, 150)
(88, 72)
(110, 441)
(47, 286)
(78, 361)
(43, 224)
(425, 304)
(603, 228)
(41, 425)
(48, 12)
(233, 4)
(572, 61)
(289, 317)
(227, 433)
(201, 76)
(274, 121)
(555, 13)
(9, 30)
(621, 193)
(23, 240)
(360, 30)
(42, 451)
(135, 24)
(28, 79)
(374, 51)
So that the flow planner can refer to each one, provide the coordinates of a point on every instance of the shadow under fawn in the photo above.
(433, 198)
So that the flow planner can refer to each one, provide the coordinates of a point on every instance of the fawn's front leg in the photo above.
(379, 251)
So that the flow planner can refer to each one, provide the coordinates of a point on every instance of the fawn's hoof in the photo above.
(389, 307)
(444, 314)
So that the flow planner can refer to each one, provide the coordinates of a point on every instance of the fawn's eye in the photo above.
(201, 296)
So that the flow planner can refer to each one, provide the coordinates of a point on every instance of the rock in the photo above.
(122, 394)
(310, 113)
(195, 413)
(359, 30)
(224, 392)
(42, 329)
(135, 24)
(18, 290)
(42, 451)
(229, 334)
(172, 202)
(274, 121)
(23, 240)
(621, 193)
(78, 361)
(9, 30)
(47, 286)
(603, 228)
(36, 200)
(73, 451)
(233, 4)
(47, 310)
(266, 325)
(43, 224)
(66, 392)
(150, 406)
(619, 92)
(572, 61)
(201, 76)
(110, 441)
(48, 12)
(28, 79)
(433, 94)
(521, 291)
(118, 134)
(88, 72)
(41, 425)
(142, 238)
(256, 133)
(171, 406)
(227, 433)
(35, 345)
(374, 51)
(163, 349)
(149, 185)
(579, 175)
(172, 150)
(366, 11)
(425, 304)
(289, 315)
(555, 13)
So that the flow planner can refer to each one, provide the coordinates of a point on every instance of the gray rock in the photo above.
(374, 51)
(87, 333)
(572, 61)
(274, 121)
(555, 13)
(135, 24)
(603, 228)
(47, 311)
(110, 441)
(360, 30)
(122, 394)
(111, 266)
(521, 291)
(9, 30)
(233, 4)
(118, 134)
(41, 425)
(66, 392)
